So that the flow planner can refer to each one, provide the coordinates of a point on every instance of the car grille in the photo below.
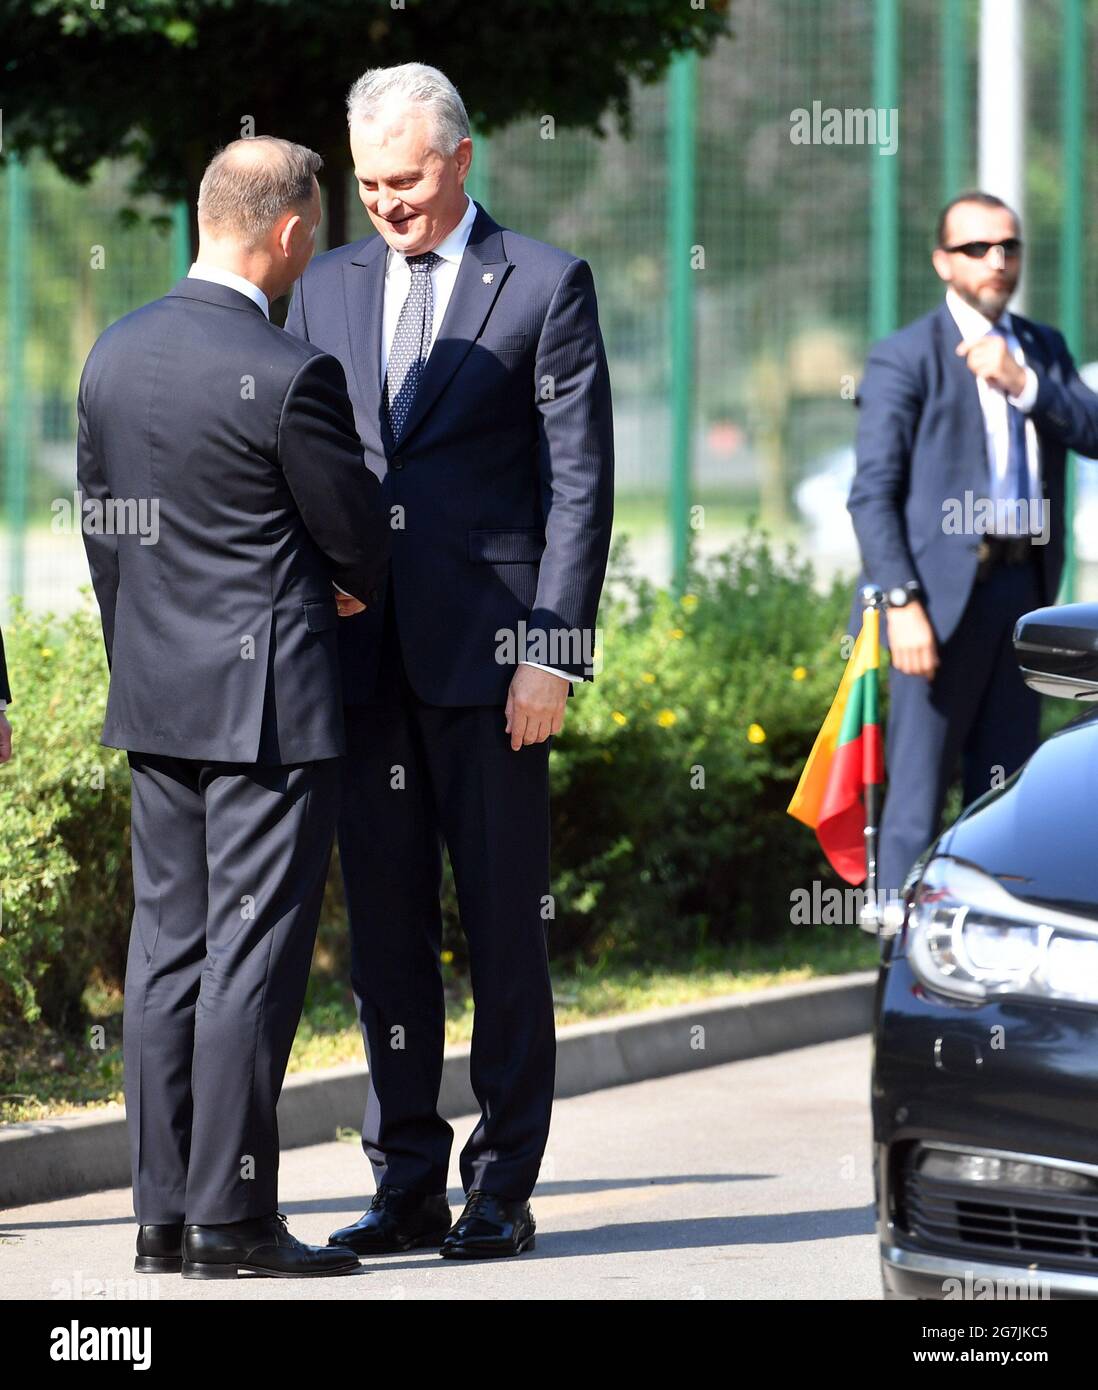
(1022, 1226)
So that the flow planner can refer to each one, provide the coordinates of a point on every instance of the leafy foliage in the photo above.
(671, 780)
(65, 885)
(670, 783)
(169, 81)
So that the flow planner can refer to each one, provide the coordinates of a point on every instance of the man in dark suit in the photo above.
(224, 494)
(966, 417)
(5, 700)
(481, 393)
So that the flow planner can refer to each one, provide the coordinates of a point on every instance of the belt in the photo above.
(993, 551)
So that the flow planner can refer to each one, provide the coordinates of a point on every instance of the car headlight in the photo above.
(969, 938)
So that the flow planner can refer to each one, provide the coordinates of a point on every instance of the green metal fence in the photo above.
(740, 274)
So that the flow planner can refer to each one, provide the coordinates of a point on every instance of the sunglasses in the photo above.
(977, 250)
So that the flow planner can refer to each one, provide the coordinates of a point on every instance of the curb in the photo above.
(43, 1160)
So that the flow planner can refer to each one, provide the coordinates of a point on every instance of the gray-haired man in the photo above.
(481, 393)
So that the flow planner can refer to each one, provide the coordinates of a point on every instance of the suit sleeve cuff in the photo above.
(1026, 398)
(552, 670)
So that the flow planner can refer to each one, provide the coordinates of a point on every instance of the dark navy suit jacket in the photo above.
(5, 689)
(501, 484)
(221, 635)
(921, 439)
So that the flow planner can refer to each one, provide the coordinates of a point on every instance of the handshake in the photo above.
(347, 605)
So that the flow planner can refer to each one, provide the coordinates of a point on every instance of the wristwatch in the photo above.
(912, 592)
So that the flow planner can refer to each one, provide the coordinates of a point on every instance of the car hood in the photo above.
(1038, 833)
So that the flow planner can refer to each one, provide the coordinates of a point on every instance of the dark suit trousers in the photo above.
(416, 776)
(977, 708)
(229, 863)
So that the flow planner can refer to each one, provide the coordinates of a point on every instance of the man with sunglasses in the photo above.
(965, 420)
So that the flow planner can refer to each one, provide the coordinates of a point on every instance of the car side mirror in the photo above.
(1057, 650)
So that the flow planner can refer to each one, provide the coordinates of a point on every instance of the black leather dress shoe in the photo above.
(159, 1249)
(489, 1226)
(397, 1220)
(260, 1246)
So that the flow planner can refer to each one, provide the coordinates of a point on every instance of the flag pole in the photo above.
(872, 597)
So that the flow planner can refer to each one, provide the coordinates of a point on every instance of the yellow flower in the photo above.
(756, 734)
(799, 673)
(649, 677)
(619, 718)
(447, 957)
(676, 634)
(666, 718)
(46, 651)
(689, 602)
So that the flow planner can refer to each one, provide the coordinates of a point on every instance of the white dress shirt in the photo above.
(993, 402)
(217, 276)
(398, 281)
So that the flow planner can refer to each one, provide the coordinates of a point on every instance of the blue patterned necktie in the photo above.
(411, 342)
(1015, 486)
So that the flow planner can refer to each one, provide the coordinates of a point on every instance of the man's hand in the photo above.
(535, 705)
(347, 606)
(989, 358)
(911, 641)
(5, 739)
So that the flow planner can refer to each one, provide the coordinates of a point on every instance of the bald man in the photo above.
(232, 448)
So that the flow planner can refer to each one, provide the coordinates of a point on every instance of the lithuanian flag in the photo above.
(847, 756)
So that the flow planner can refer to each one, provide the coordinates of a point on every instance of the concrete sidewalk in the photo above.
(46, 1159)
(749, 1181)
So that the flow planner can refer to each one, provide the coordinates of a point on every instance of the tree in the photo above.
(167, 82)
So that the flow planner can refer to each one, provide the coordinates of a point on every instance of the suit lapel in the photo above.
(364, 297)
(481, 274)
(1030, 341)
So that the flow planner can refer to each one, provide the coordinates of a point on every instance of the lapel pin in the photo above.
(487, 277)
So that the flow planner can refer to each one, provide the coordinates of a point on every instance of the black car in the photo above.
(985, 1066)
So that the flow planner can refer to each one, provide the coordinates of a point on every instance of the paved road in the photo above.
(745, 1181)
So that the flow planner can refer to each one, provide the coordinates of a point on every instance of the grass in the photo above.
(55, 1075)
(643, 514)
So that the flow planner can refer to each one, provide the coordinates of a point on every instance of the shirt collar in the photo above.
(970, 321)
(218, 276)
(451, 247)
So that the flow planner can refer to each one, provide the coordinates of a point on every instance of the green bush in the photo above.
(670, 782)
(673, 773)
(64, 807)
